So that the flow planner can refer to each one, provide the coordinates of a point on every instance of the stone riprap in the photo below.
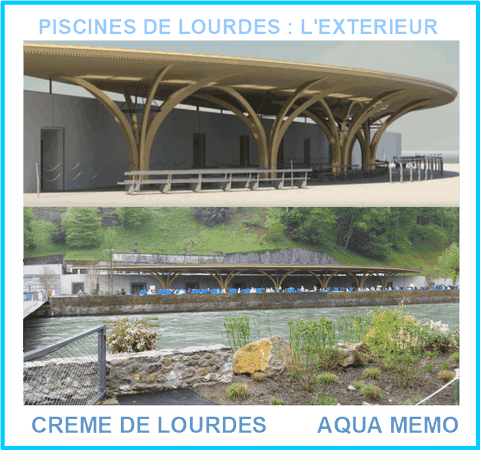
(91, 305)
(75, 380)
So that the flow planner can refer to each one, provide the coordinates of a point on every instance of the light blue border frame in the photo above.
(287, 425)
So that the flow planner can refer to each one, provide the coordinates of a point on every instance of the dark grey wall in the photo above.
(95, 153)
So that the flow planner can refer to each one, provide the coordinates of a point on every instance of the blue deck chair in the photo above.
(258, 290)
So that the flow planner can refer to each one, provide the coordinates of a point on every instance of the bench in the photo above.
(225, 178)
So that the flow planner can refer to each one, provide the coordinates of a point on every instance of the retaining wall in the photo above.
(127, 373)
(86, 305)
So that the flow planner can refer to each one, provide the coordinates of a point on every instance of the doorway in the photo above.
(198, 150)
(52, 173)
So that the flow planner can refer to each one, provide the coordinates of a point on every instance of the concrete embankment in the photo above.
(91, 305)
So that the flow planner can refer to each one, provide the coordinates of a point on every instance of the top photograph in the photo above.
(241, 123)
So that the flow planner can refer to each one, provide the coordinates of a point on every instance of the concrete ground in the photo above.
(166, 397)
(363, 192)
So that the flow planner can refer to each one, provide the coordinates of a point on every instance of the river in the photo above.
(181, 330)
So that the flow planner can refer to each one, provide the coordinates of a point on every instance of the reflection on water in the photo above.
(181, 330)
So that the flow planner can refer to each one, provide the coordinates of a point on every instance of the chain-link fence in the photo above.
(70, 372)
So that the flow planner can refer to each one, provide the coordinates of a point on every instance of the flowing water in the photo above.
(180, 330)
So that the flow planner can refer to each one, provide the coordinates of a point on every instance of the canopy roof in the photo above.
(266, 84)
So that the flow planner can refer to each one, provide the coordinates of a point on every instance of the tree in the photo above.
(134, 217)
(28, 235)
(212, 216)
(110, 243)
(83, 227)
(47, 278)
(365, 231)
(449, 263)
(310, 225)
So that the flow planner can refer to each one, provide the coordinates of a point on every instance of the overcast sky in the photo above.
(426, 131)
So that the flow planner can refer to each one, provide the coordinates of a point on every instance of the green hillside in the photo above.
(176, 231)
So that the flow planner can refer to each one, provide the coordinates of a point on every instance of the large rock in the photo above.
(263, 355)
(353, 354)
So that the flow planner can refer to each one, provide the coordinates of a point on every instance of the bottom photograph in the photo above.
(241, 306)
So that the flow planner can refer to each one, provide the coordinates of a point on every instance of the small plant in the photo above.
(372, 393)
(372, 372)
(353, 328)
(259, 376)
(416, 399)
(428, 368)
(396, 340)
(455, 357)
(446, 375)
(237, 390)
(132, 338)
(455, 391)
(276, 401)
(238, 331)
(327, 378)
(325, 399)
(358, 385)
(313, 344)
(119, 292)
(445, 365)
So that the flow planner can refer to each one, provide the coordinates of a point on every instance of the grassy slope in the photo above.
(175, 231)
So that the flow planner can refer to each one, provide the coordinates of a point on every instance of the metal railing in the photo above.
(70, 372)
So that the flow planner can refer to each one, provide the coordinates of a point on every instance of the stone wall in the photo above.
(168, 369)
(74, 380)
(284, 256)
(143, 304)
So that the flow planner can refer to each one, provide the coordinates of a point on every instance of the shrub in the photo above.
(28, 235)
(372, 393)
(416, 399)
(428, 368)
(455, 357)
(238, 331)
(211, 216)
(446, 375)
(445, 365)
(372, 373)
(354, 328)
(325, 399)
(396, 341)
(132, 338)
(327, 378)
(276, 401)
(259, 376)
(313, 344)
(237, 390)
(134, 217)
(437, 336)
(358, 385)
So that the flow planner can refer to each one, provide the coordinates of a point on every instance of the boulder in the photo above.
(353, 354)
(263, 355)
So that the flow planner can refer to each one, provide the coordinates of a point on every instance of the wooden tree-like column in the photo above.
(224, 280)
(323, 277)
(170, 275)
(140, 135)
(277, 278)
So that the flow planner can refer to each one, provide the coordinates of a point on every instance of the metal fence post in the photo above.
(102, 360)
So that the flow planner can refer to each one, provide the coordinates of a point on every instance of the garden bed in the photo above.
(288, 390)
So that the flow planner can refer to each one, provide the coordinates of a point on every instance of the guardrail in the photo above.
(70, 372)
(226, 179)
